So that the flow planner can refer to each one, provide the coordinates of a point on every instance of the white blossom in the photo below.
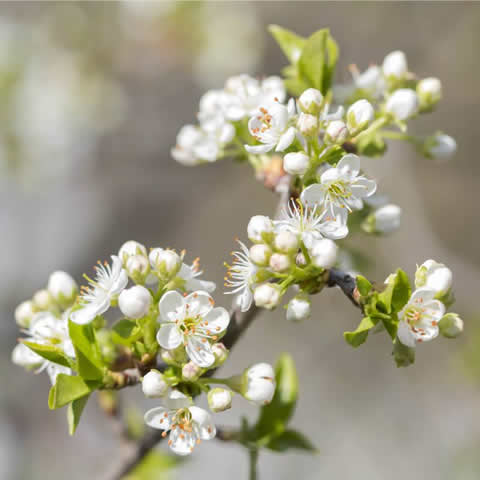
(259, 384)
(296, 163)
(190, 273)
(62, 287)
(323, 253)
(187, 424)
(359, 116)
(341, 187)
(402, 104)
(418, 320)
(134, 302)
(154, 384)
(240, 277)
(96, 298)
(434, 276)
(191, 321)
(271, 127)
(219, 399)
(266, 295)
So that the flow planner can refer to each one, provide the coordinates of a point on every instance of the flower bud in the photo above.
(191, 372)
(440, 146)
(310, 101)
(62, 287)
(129, 249)
(429, 91)
(42, 300)
(434, 276)
(336, 132)
(300, 260)
(286, 242)
(138, 268)
(266, 295)
(24, 357)
(279, 262)
(299, 308)
(395, 64)
(154, 384)
(451, 325)
(260, 229)
(260, 254)
(324, 253)
(385, 219)
(168, 357)
(219, 399)
(166, 262)
(296, 163)
(135, 302)
(24, 314)
(402, 104)
(221, 353)
(307, 124)
(359, 116)
(259, 384)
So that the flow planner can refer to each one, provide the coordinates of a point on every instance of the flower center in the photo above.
(413, 315)
(189, 325)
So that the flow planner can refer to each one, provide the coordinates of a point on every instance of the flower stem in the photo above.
(378, 123)
(253, 455)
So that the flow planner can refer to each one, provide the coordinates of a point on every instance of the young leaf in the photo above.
(126, 332)
(357, 337)
(401, 290)
(290, 43)
(66, 389)
(154, 466)
(74, 413)
(363, 285)
(275, 416)
(50, 353)
(89, 361)
(291, 439)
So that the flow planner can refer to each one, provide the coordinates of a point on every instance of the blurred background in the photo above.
(92, 96)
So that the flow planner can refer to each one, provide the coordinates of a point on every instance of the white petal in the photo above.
(363, 187)
(245, 299)
(259, 149)
(206, 428)
(421, 296)
(120, 283)
(200, 352)
(171, 306)
(87, 313)
(331, 175)
(286, 139)
(182, 442)
(313, 195)
(198, 303)
(169, 336)
(217, 319)
(349, 165)
(405, 334)
(195, 284)
(159, 418)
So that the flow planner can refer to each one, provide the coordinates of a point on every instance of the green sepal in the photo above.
(89, 361)
(404, 356)
(50, 353)
(67, 388)
(74, 412)
(291, 439)
(359, 336)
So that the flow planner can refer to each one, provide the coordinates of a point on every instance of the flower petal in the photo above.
(87, 313)
(405, 334)
(203, 420)
(171, 306)
(363, 187)
(421, 296)
(182, 442)
(169, 336)
(159, 418)
(349, 165)
(286, 139)
(313, 195)
(217, 319)
(259, 149)
(200, 352)
(198, 303)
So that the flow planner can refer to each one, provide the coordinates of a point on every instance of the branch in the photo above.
(347, 283)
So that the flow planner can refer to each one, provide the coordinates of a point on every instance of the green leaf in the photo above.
(275, 416)
(401, 290)
(89, 360)
(50, 353)
(74, 413)
(357, 337)
(291, 439)
(66, 389)
(290, 43)
(403, 355)
(391, 325)
(126, 332)
(155, 465)
(317, 63)
(363, 285)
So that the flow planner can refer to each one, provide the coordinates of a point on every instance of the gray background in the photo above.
(369, 419)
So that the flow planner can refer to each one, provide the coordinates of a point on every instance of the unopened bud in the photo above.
(138, 268)
(26, 358)
(434, 276)
(62, 287)
(279, 262)
(336, 132)
(191, 372)
(296, 163)
(154, 384)
(451, 325)
(24, 314)
(299, 308)
(259, 384)
(42, 300)
(429, 92)
(221, 353)
(324, 253)
(440, 146)
(307, 124)
(395, 64)
(219, 399)
(260, 254)
(359, 116)
(129, 249)
(385, 219)
(310, 101)
(135, 302)
(402, 104)
(166, 262)
(286, 242)
(260, 229)
(266, 295)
